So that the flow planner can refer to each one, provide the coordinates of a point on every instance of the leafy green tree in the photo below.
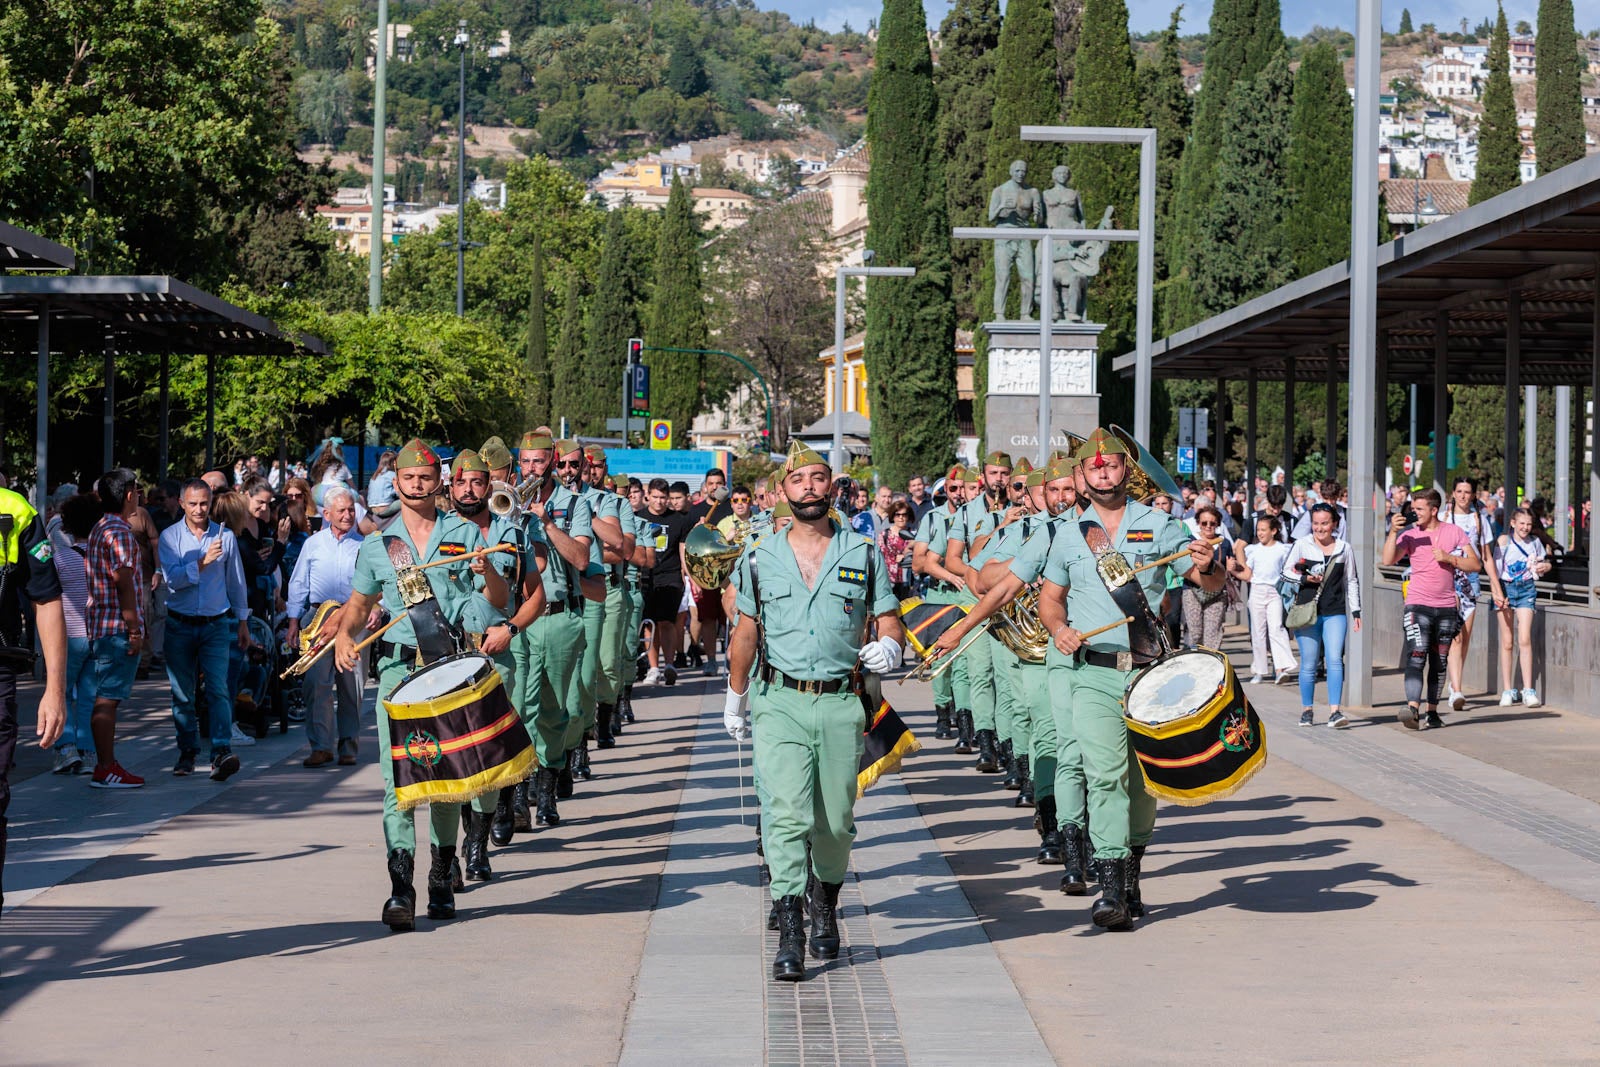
(686, 72)
(566, 371)
(1405, 21)
(1499, 150)
(910, 337)
(1317, 221)
(536, 361)
(969, 38)
(1167, 109)
(677, 318)
(1558, 133)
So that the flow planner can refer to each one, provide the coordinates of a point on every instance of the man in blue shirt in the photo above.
(322, 572)
(205, 604)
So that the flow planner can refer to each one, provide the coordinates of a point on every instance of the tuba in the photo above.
(1147, 478)
(1017, 626)
(709, 557)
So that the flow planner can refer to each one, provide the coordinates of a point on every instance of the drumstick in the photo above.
(1098, 630)
(1169, 559)
(501, 547)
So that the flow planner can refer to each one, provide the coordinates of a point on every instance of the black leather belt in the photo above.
(403, 653)
(1117, 661)
(556, 608)
(195, 620)
(613, 580)
(773, 676)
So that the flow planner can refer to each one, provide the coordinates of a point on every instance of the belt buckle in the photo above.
(811, 687)
(1124, 661)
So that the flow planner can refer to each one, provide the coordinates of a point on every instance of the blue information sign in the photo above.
(1186, 461)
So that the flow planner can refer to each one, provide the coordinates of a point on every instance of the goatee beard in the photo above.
(809, 511)
(469, 510)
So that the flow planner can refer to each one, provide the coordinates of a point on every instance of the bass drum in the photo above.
(1196, 736)
(453, 734)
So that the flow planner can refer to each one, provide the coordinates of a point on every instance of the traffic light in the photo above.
(635, 351)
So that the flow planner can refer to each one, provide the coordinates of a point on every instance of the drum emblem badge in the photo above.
(423, 749)
(1236, 734)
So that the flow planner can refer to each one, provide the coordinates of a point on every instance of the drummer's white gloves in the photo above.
(735, 715)
(881, 656)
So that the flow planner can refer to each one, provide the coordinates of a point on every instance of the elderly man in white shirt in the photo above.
(323, 572)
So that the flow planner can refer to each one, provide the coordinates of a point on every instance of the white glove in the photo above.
(735, 716)
(881, 657)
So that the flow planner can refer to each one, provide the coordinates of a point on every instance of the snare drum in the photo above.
(1196, 736)
(453, 734)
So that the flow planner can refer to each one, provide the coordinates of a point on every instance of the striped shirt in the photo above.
(112, 546)
(71, 568)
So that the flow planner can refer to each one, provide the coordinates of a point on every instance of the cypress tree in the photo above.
(1241, 252)
(536, 361)
(1105, 92)
(910, 339)
(1499, 150)
(1317, 224)
(686, 74)
(1558, 133)
(1168, 110)
(566, 372)
(613, 318)
(677, 317)
(969, 36)
(1405, 21)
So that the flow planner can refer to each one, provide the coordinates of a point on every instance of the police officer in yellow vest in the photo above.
(1090, 679)
(422, 534)
(27, 571)
(820, 595)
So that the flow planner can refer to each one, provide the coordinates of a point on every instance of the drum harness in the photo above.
(1147, 638)
(436, 638)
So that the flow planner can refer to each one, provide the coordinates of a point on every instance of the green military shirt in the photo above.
(1009, 540)
(815, 633)
(455, 587)
(1027, 562)
(934, 529)
(973, 521)
(1145, 534)
(603, 505)
(640, 530)
(573, 515)
(481, 614)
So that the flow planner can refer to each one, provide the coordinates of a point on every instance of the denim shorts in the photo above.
(1520, 593)
(113, 667)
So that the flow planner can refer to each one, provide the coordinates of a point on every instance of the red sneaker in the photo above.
(114, 777)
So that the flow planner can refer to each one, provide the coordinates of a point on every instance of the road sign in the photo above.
(661, 433)
(1202, 428)
(639, 392)
(1185, 427)
(1406, 465)
(1186, 460)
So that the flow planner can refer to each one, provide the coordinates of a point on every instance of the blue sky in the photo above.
(1298, 15)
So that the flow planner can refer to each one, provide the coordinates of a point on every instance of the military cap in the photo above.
(533, 440)
(1035, 477)
(781, 510)
(1059, 467)
(1101, 443)
(468, 460)
(801, 455)
(1022, 467)
(958, 473)
(566, 446)
(997, 459)
(495, 453)
(416, 454)
(594, 453)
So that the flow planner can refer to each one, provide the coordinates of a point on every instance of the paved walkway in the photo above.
(1373, 894)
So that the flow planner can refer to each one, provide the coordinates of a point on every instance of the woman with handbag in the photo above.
(1203, 611)
(1327, 603)
(1260, 564)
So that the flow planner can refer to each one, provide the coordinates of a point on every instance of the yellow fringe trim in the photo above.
(462, 790)
(889, 764)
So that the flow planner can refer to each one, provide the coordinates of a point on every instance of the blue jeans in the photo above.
(191, 649)
(1325, 636)
(80, 696)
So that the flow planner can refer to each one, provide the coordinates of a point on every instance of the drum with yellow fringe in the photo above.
(1196, 736)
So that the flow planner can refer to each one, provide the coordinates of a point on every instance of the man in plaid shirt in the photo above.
(114, 622)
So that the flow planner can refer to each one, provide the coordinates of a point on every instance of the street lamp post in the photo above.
(461, 177)
(840, 274)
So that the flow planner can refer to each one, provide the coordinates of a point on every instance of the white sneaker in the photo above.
(1458, 699)
(651, 677)
(1530, 698)
(1255, 679)
(242, 739)
(1508, 697)
(1283, 676)
(68, 760)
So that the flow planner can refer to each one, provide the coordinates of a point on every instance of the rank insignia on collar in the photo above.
(853, 575)
(452, 548)
(1140, 536)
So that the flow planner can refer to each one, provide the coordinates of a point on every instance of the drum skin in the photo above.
(1205, 753)
(453, 734)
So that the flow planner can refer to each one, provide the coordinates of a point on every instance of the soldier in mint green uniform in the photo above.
(428, 535)
(613, 542)
(974, 525)
(642, 555)
(821, 593)
(951, 695)
(1090, 680)
(569, 474)
(1013, 717)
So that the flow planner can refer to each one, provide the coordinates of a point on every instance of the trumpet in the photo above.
(511, 501)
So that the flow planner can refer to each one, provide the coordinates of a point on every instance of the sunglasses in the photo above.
(1019, 485)
(570, 463)
(295, 496)
(1208, 522)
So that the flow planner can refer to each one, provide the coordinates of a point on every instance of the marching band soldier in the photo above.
(964, 555)
(574, 514)
(423, 534)
(1090, 679)
(604, 621)
(1011, 735)
(640, 560)
(823, 611)
(950, 692)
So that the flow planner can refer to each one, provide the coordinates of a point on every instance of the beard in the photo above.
(466, 510)
(809, 510)
(1108, 497)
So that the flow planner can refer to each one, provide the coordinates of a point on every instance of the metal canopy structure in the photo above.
(22, 250)
(1536, 246)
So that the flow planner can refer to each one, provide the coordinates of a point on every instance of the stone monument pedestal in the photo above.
(1012, 420)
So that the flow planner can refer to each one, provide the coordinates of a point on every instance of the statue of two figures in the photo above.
(1073, 263)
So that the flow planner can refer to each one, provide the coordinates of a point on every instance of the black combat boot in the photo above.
(564, 777)
(625, 705)
(1050, 841)
(988, 757)
(789, 964)
(477, 847)
(941, 722)
(825, 919)
(604, 719)
(964, 731)
(441, 893)
(544, 797)
(1074, 881)
(1135, 900)
(1008, 763)
(578, 760)
(521, 803)
(1025, 790)
(1110, 912)
(503, 823)
(400, 910)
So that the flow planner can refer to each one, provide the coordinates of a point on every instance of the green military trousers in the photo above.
(609, 682)
(547, 655)
(808, 747)
(979, 661)
(594, 626)
(399, 827)
(633, 601)
(1090, 706)
(1010, 710)
(1031, 682)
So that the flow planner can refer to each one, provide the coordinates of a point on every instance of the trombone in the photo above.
(927, 672)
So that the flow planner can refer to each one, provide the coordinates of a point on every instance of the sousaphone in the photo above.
(1147, 479)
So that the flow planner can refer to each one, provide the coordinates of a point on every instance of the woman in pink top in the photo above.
(1432, 614)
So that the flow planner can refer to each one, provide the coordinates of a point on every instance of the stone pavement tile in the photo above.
(247, 930)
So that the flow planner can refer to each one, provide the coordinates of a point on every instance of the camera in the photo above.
(1410, 515)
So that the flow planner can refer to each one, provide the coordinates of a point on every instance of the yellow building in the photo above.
(855, 379)
(352, 226)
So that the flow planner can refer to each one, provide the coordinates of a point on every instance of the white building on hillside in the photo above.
(1445, 78)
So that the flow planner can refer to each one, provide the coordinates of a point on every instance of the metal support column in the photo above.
(836, 458)
(108, 417)
(1219, 445)
(1330, 451)
(1563, 464)
(41, 425)
(163, 449)
(1594, 447)
(1250, 442)
(1530, 439)
(380, 120)
(1288, 421)
(1380, 412)
(1441, 394)
(211, 411)
(1513, 394)
(1146, 301)
(1046, 316)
